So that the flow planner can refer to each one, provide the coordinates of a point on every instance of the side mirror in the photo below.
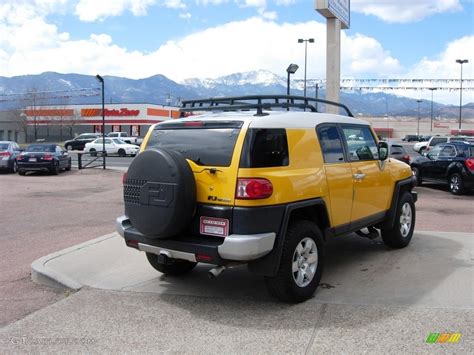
(383, 150)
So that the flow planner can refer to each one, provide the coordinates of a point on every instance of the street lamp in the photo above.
(418, 126)
(431, 121)
(292, 68)
(305, 41)
(101, 80)
(461, 61)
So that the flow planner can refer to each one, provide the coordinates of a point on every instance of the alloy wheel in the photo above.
(305, 262)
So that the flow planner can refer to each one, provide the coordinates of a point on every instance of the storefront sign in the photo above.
(123, 112)
(340, 9)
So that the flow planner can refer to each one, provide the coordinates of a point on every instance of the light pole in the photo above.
(461, 61)
(101, 80)
(292, 68)
(431, 121)
(418, 126)
(305, 41)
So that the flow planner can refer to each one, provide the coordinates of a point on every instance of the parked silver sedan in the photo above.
(9, 152)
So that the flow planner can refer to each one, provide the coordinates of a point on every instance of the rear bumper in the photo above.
(5, 164)
(41, 166)
(235, 247)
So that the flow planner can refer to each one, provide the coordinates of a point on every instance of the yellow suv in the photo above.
(263, 181)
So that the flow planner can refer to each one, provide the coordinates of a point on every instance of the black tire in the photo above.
(160, 193)
(416, 173)
(173, 267)
(456, 184)
(422, 149)
(287, 284)
(69, 164)
(93, 152)
(22, 172)
(399, 236)
(122, 153)
(14, 167)
(55, 169)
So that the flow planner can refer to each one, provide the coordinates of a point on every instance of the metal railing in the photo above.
(89, 160)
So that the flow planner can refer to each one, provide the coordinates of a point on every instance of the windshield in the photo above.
(204, 146)
(118, 141)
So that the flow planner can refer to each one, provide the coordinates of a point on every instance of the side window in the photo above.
(435, 141)
(434, 153)
(360, 143)
(264, 148)
(448, 151)
(331, 144)
(108, 141)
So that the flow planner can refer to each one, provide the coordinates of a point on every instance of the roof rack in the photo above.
(258, 102)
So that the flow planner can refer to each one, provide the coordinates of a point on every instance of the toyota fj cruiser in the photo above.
(252, 182)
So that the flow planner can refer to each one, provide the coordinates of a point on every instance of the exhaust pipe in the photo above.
(215, 272)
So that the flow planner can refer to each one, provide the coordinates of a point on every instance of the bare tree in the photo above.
(32, 101)
(70, 122)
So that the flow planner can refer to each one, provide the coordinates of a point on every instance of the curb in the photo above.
(43, 275)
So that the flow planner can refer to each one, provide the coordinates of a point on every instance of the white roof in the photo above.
(277, 119)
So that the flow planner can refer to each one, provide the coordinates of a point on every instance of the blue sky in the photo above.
(211, 38)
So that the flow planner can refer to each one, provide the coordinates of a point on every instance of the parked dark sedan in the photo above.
(450, 163)
(398, 152)
(44, 157)
(80, 141)
(9, 152)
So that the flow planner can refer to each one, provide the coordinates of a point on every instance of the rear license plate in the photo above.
(214, 226)
(32, 159)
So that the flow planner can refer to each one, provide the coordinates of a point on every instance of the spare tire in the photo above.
(159, 193)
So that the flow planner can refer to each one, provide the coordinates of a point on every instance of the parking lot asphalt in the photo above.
(35, 222)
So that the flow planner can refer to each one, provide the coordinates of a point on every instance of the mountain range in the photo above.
(158, 89)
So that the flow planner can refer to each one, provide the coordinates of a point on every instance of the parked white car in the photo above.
(422, 147)
(112, 146)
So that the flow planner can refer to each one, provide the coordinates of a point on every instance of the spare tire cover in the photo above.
(159, 193)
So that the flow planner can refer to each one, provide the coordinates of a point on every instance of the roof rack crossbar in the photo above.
(258, 102)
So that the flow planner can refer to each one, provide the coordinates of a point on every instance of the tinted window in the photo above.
(448, 151)
(435, 151)
(40, 148)
(360, 143)
(331, 144)
(204, 146)
(435, 141)
(265, 148)
(397, 150)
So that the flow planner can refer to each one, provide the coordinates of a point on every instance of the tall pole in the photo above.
(418, 126)
(101, 80)
(317, 96)
(431, 121)
(305, 41)
(461, 61)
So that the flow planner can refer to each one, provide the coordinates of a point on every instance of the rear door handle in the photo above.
(359, 176)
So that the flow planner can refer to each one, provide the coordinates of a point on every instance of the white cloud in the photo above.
(403, 11)
(93, 10)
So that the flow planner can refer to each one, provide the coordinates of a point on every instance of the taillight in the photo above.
(193, 124)
(47, 157)
(470, 164)
(406, 158)
(21, 157)
(252, 189)
(5, 154)
(124, 178)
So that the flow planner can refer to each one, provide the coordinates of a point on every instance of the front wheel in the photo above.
(93, 152)
(301, 264)
(456, 185)
(121, 152)
(173, 267)
(400, 234)
(416, 174)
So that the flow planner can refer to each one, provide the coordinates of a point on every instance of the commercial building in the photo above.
(58, 123)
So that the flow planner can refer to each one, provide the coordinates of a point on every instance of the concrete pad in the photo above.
(435, 271)
(101, 321)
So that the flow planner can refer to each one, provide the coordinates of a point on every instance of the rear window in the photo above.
(265, 148)
(397, 149)
(3, 146)
(40, 148)
(205, 143)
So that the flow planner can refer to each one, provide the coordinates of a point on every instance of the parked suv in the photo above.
(423, 147)
(449, 163)
(244, 183)
(79, 142)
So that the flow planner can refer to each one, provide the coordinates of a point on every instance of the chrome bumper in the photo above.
(238, 247)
